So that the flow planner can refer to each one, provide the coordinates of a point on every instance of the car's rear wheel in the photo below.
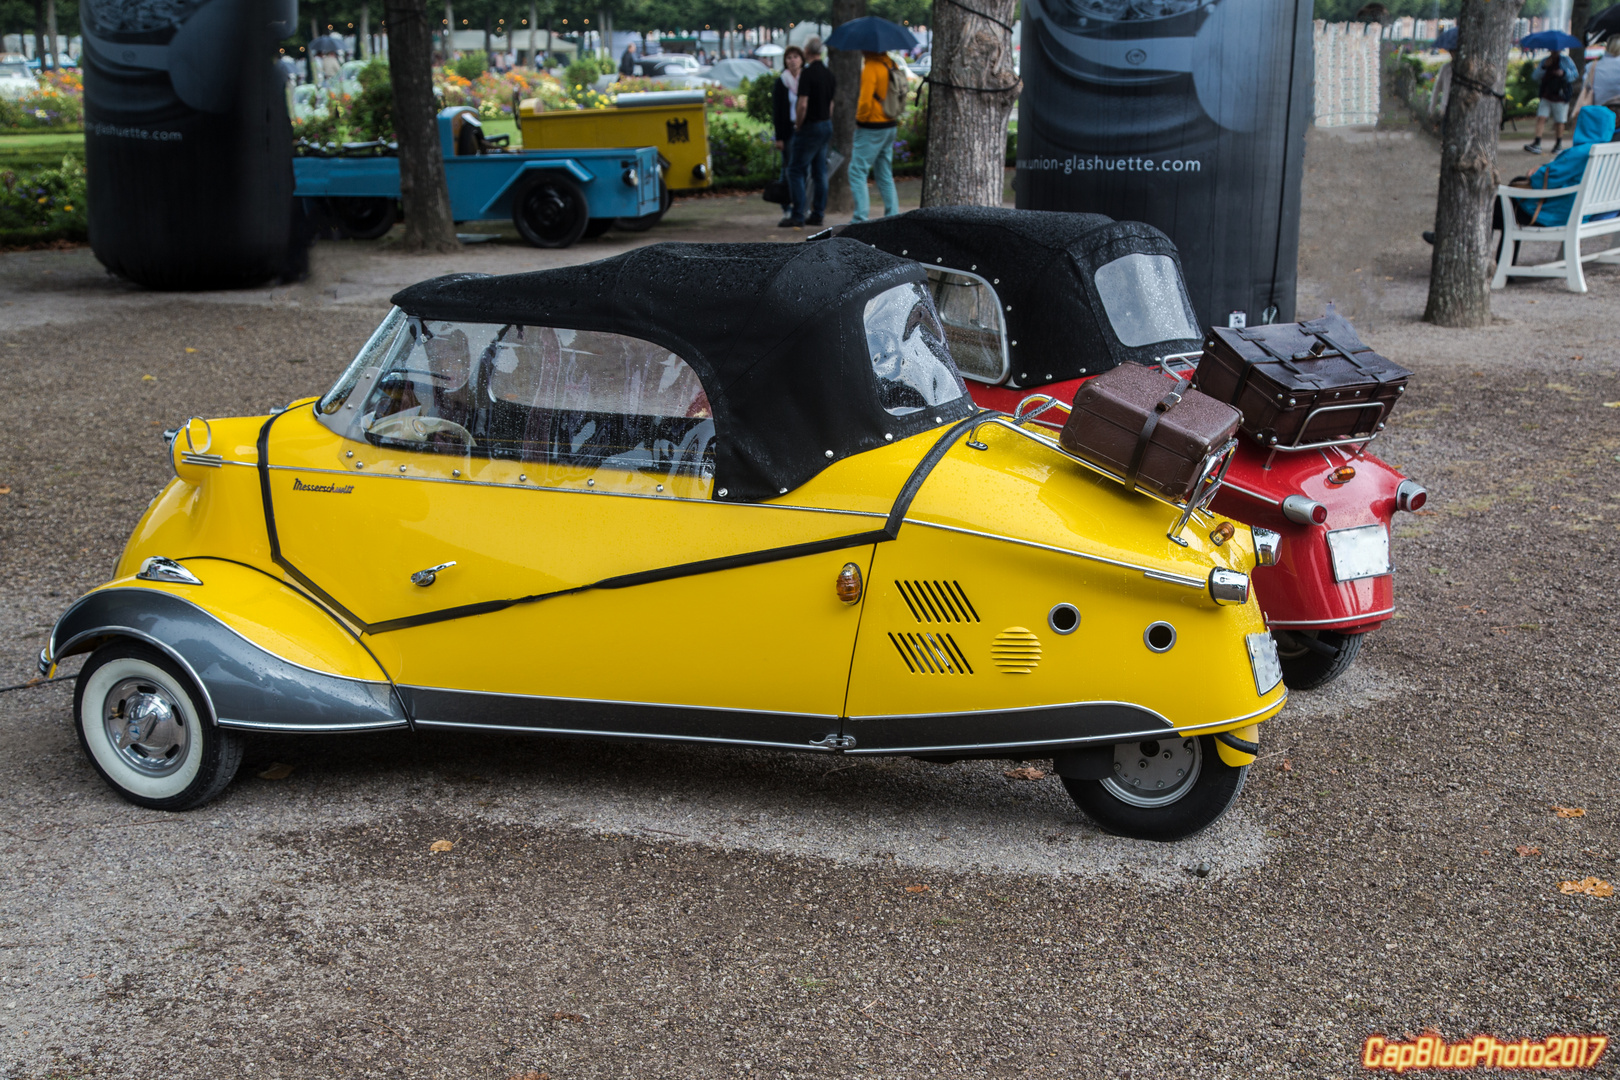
(1161, 789)
(364, 219)
(596, 227)
(1312, 658)
(140, 723)
(550, 211)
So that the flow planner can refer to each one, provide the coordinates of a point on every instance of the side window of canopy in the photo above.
(970, 312)
(1146, 300)
(543, 395)
(909, 353)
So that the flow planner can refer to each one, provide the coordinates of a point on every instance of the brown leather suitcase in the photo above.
(1278, 375)
(1153, 431)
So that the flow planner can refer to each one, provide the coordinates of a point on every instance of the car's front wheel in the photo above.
(1160, 789)
(140, 724)
(1312, 658)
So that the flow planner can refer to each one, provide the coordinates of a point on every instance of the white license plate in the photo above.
(1263, 660)
(1359, 553)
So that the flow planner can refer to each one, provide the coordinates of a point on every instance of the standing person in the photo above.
(1603, 77)
(812, 130)
(784, 107)
(1558, 76)
(873, 151)
(627, 62)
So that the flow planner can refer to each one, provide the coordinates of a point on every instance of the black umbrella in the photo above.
(1447, 39)
(1604, 25)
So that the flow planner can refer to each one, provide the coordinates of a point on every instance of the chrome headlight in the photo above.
(632, 178)
(1361, 552)
(1267, 546)
(1228, 587)
(1263, 661)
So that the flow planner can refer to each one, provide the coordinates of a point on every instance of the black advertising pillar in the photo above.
(188, 147)
(1189, 115)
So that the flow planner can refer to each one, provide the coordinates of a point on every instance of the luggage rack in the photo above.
(1211, 475)
(1296, 446)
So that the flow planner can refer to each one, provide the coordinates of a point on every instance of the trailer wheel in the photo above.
(1312, 658)
(550, 211)
(647, 221)
(364, 218)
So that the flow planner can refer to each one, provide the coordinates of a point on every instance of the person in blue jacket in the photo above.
(1593, 127)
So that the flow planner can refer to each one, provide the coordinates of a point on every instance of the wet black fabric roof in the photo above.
(774, 331)
(1041, 263)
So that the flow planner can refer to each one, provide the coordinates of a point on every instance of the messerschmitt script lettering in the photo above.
(330, 489)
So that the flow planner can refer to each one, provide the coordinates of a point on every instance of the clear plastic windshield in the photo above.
(572, 399)
(1146, 300)
(909, 354)
(971, 314)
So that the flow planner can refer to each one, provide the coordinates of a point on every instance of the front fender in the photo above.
(264, 656)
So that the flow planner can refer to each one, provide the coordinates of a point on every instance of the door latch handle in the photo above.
(427, 577)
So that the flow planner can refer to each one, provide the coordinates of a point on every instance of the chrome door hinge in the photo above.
(835, 742)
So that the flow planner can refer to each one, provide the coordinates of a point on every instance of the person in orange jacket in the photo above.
(873, 151)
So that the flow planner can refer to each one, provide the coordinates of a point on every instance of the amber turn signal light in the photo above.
(1342, 475)
(849, 583)
(1221, 533)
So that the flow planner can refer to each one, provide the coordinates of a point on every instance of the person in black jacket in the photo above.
(784, 96)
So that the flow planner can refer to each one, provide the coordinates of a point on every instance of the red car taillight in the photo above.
(1303, 511)
(1410, 496)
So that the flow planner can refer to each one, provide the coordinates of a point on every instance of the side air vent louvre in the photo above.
(937, 601)
(1016, 651)
(931, 654)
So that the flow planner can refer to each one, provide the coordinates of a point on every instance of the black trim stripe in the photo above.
(890, 531)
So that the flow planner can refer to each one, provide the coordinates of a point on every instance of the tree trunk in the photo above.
(534, 18)
(449, 33)
(1460, 268)
(846, 68)
(362, 40)
(1580, 12)
(972, 89)
(53, 51)
(39, 32)
(489, 28)
(422, 190)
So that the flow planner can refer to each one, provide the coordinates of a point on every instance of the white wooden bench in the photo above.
(1597, 193)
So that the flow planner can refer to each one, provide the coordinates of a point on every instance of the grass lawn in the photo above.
(32, 142)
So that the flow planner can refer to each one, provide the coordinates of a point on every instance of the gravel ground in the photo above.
(618, 910)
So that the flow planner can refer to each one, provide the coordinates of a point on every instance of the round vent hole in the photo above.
(1064, 619)
(1160, 637)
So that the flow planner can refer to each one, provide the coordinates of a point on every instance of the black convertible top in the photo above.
(1042, 264)
(775, 332)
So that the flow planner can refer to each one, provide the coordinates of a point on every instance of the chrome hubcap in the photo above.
(1156, 772)
(146, 726)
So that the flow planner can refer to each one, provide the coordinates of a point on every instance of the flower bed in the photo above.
(58, 105)
(43, 203)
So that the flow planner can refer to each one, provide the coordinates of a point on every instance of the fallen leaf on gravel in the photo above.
(1611, 404)
(1025, 773)
(1525, 851)
(531, 1074)
(1287, 765)
(916, 888)
(5, 491)
(440, 845)
(572, 1018)
(1589, 886)
(278, 771)
(190, 349)
(148, 378)
(1568, 811)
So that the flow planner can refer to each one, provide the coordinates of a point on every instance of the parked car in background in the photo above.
(734, 72)
(63, 60)
(17, 80)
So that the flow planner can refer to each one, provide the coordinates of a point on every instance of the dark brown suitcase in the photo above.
(1278, 375)
(1151, 430)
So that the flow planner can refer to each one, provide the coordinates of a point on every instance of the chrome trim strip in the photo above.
(1104, 740)
(1252, 494)
(1353, 620)
(1017, 709)
(255, 725)
(561, 491)
(612, 701)
(212, 461)
(1156, 575)
(594, 734)
(141, 635)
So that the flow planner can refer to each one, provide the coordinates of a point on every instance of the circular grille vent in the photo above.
(1016, 651)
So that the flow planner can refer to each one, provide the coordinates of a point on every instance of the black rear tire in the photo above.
(174, 757)
(1305, 668)
(364, 218)
(1210, 794)
(647, 221)
(550, 210)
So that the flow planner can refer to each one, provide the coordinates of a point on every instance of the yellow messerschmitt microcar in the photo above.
(731, 494)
